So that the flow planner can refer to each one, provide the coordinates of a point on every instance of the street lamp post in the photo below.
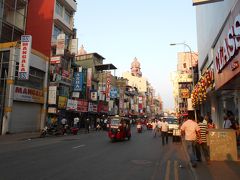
(193, 84)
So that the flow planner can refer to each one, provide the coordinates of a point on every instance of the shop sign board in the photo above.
(229, 46)
(27, 94)
(25, 51)
(74, 46)
(52, 110)
(89, 77)
(93, 95)
(52, 95)
(113, 92)
(75, 94)
(108, 87)
(78, 81)
(60, 44)
(82, 105)
(92, 107)
(55, 60)
(62, 102)
(72, 105)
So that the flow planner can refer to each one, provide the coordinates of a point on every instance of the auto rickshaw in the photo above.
(119, 128)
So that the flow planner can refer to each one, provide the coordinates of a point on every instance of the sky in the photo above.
(124, 29)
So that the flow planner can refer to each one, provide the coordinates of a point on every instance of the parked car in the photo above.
(173, 124)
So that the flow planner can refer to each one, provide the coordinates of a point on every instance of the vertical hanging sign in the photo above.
(26, 46)
(89, 77)
(60, 44)
(108, 87)
(78, 81)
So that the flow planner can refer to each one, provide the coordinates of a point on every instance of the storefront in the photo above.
(24, 107)
(226, 69)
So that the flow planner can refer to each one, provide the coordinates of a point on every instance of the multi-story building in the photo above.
(182, 81)
(23, 72)
(51, 24)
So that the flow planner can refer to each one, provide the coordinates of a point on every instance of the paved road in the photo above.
(93, 157)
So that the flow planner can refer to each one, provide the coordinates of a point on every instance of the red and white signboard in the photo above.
(55, 60)
(25, 51)
(89, 77)
(27, 94)
(108, 87)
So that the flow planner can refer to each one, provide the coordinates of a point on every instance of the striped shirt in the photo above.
(203, 132)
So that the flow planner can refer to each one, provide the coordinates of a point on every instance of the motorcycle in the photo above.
(139, 128)
(54, 130)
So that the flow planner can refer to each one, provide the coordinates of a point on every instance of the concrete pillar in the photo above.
(215, 110)
(45, 95)
(9, 90)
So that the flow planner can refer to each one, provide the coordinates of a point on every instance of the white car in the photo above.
(172, 124)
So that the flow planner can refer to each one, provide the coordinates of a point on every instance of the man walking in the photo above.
(164, 131)
(191, 130)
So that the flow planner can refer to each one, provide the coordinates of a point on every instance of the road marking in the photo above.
(176, 170)
(167, 175)
(82, 145)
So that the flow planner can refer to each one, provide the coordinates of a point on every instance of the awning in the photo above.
(103, 67)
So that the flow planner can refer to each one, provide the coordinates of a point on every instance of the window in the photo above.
(67, 16)
(56, 32)
(59, 9)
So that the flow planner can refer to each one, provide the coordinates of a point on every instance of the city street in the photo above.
(93, 156)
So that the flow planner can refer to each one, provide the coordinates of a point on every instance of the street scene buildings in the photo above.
(48, 79)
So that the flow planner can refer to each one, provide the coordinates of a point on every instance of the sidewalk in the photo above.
(216, 170)
(9, 138)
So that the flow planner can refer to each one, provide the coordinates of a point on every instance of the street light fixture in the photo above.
(190, 50)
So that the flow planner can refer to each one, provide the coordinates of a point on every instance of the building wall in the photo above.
(209, 24)
(40, 24)
(138, 82)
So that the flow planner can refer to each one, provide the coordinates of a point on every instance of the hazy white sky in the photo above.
(122, 30)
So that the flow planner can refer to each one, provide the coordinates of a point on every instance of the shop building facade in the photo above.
(218, 46)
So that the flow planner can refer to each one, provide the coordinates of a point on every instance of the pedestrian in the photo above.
(87, 124)
(164, 131)
(75, 122)
(191, 130)
(63, 122)
(226, 123)
(211, 124)
(154, 128)
(201, 145)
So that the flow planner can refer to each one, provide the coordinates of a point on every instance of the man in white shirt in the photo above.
(191, 130)
(164, 131)
(227, 123)
(75, 121)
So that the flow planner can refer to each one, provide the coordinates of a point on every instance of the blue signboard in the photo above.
(78, 81)
(113, 92)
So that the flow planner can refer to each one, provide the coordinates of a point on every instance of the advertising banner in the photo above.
(55, 60)
(108, 87)
(62, 102)
(74, 46)
(78, 81)
(52, 95)
(72, 105)
(60, 44)
(101, 91)
(89, 77)
(82, 105)
(92, 107)
(25, 51)
(26, 94)
(113, 93)
(93, 95)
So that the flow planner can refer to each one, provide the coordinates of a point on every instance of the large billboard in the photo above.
(199, 2)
